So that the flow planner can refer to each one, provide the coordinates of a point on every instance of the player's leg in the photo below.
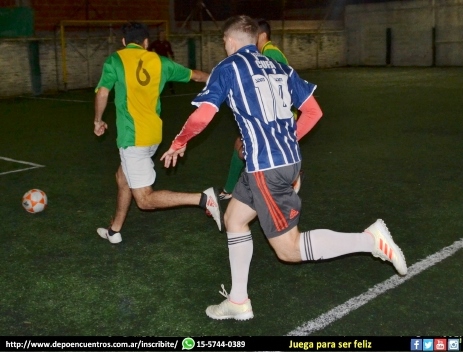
(240, 247)
(236, 168)
(136, 175)
(237, 305)
(136, 171)
(293, 246)
(278, 214)
(325, 244)
(124, 199)
(138, 168)
(149, 199)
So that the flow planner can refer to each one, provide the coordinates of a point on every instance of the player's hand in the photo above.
(171, 156)
(100, 127)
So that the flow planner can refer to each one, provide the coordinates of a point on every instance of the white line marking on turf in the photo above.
(34, 166)
(21, 162)
(344, 309)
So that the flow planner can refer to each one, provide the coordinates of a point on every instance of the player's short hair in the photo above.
(243, 27)
(264, 27)
(135, 32)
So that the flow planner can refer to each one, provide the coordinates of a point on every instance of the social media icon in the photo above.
(416, 345)
(453, 344)
(188, 343)
(440, 344)
(428, 345)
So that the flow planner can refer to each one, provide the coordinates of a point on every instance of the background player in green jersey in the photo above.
(265, 45)
(270, 50)
(138, 77)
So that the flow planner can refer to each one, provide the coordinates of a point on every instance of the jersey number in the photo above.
(273, 95)
(147, 77)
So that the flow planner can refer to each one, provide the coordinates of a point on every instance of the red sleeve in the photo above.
(197, 122)
(310, 114)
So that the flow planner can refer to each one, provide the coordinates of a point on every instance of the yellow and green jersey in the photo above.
(274, 53)
(138, 77)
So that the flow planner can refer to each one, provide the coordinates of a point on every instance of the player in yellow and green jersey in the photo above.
(265, 45)
(270, 50)
(138, 77)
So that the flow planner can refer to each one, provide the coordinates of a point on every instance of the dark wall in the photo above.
(48, 13)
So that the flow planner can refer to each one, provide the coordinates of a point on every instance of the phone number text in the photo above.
(220, 344)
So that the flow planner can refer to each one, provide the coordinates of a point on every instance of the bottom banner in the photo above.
(230, 343)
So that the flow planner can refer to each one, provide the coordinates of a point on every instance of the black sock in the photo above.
(111, 232)
(202, 202)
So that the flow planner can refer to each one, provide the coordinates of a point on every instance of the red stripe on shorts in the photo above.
(278, 218)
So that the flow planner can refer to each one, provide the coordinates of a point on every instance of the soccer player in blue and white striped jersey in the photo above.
(260, 92)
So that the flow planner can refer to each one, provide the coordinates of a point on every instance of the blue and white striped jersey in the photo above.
(260, 92)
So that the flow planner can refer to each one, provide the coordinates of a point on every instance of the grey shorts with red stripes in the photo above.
(270, 193)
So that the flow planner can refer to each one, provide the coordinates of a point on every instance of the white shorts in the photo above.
(137, 165)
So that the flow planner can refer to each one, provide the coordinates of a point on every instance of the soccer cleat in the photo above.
(116, 238)
(213, 206)
(224, 195)
(385, 248)
(230, 310)
(297, 184)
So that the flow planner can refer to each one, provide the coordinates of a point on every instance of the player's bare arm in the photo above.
(101, 100)
(199, 76)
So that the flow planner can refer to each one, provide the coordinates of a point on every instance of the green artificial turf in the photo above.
(389, 146)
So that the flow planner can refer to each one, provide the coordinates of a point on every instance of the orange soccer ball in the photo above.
(34, 201)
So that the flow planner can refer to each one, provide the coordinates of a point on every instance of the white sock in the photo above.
(326, 244)
(240, 248)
